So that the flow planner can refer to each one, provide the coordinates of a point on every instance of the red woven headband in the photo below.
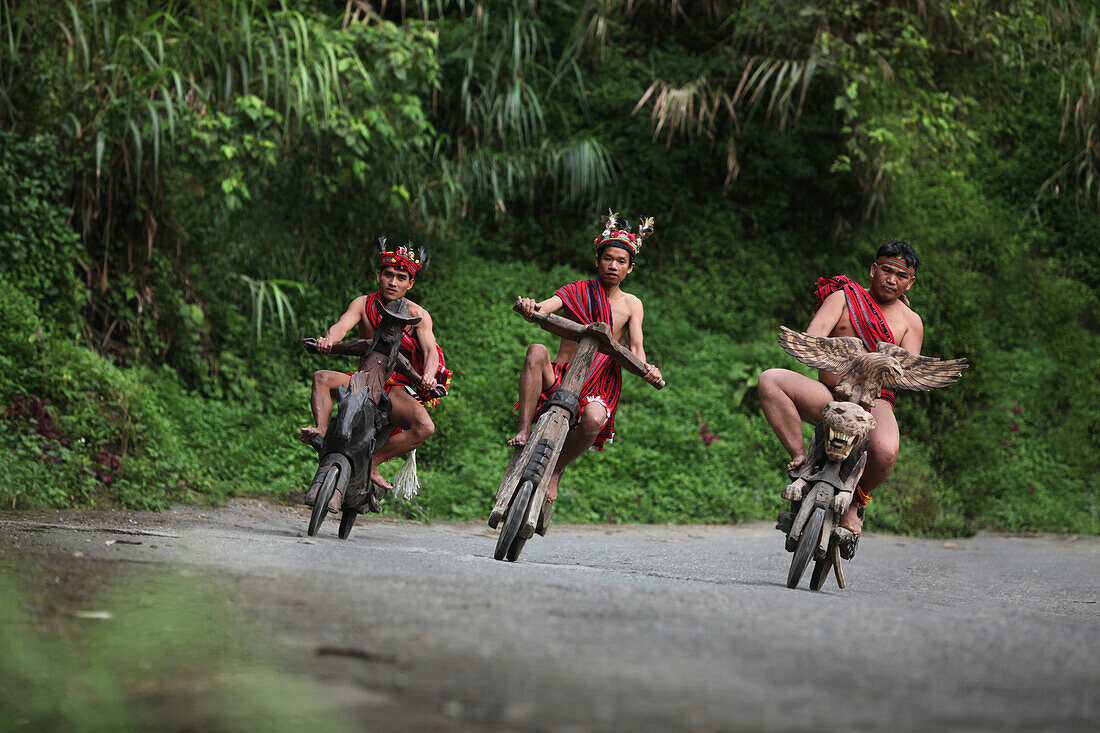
(898, 263)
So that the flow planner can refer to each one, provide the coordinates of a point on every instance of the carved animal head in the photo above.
(845, 425)
(355, 411)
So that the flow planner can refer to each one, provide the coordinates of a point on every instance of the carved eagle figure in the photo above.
(864, 374)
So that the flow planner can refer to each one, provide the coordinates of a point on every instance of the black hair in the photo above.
(901, 250)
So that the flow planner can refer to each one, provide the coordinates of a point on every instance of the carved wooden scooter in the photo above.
(521, 498)
(823, 486)
(361, 425)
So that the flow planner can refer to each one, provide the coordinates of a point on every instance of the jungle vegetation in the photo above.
(189, 187)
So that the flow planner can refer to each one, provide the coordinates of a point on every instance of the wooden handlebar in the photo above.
(359, 347)
(574, 331)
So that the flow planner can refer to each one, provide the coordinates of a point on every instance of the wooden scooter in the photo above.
(361, 424)
(823, 487)
(521, 498)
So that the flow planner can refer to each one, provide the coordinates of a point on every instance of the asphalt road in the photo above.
(637, 627)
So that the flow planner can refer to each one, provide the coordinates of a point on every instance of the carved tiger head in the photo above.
(845, 425)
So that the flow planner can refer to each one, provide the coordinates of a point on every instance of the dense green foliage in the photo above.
(185, 192)
(38, 248)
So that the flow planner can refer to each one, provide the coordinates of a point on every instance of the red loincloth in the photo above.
(866, 317)
(586, 302)
(410, 347)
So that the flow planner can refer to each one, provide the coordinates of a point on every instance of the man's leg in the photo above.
(580, 439)
(536, 376)
(416, 427)
(325, 384)
(881, 455)
(788, 399)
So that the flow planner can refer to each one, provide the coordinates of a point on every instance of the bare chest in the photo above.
(620, 317)
(895, 320)
(366, 328)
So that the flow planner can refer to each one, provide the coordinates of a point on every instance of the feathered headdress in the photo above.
(616, 233)
(403, 258)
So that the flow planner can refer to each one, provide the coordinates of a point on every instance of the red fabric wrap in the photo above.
(586, 301)
(410, 347)
(866, 317)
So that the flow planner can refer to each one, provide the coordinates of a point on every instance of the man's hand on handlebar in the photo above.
(428, 383)
(652, 374)
(526, 306)
(325, 344)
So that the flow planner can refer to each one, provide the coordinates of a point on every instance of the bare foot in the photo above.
(337, 501)
(847, 531)
(552, 487)
(851, 520)
(521, 437)
(307, 433)
(796, 463)
(376, 477)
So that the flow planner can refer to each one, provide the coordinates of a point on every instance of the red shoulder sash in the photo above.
(864, 313)
(586, 300)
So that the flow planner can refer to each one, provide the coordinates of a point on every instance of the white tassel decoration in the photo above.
(405, 483)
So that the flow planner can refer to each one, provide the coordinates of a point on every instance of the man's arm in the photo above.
(634, 340)
(828, 315)
(528, 306)
(634, 329)
(426, 336)
(914, 336)
(339, 330)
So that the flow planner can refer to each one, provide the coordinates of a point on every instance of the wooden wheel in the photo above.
(822, 568)
(324, 496)
(516, 548)
(347, 520)
(513, 521)
(807, 542)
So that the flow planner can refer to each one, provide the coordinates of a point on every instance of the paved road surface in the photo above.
(639, 627)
